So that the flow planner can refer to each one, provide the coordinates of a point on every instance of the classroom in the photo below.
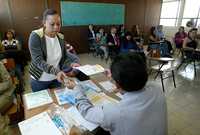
(99, 67)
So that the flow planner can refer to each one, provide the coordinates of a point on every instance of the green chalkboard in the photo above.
(84, 13)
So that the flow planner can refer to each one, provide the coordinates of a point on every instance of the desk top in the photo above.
(162, 59)
(96, 78)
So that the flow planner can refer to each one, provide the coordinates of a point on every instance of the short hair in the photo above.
(49, 12)
(193, 29)
(129, 71)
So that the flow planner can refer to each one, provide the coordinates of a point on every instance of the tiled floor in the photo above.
(183, 102)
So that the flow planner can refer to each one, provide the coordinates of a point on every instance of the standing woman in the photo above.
(48, 54)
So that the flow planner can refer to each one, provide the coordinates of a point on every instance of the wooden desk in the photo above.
(35, 111)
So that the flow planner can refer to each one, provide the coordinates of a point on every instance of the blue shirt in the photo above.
(138, 113)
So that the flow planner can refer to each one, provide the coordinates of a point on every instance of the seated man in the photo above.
(142, 109)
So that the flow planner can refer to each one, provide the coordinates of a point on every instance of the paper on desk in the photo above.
(36, 99)
(65, 96)
(78, 118)
(108, 86)
(89, 85)
(91, 69)
(40, 124)
(102, 99)
(119, 94)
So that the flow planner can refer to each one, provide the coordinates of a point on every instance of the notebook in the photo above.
(36, 99)
(40, 124)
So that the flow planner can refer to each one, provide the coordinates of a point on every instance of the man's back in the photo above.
(139, 113)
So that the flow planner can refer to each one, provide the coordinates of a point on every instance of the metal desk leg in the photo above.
(161, 77)
(173, 78)
(158, 71)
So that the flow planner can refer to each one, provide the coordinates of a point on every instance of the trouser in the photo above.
(42, 85)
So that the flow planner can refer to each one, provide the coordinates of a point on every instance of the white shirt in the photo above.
(54, 55)
(138, 113)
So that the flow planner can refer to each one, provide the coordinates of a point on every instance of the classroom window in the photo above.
(191, 12)
(169, 12)
(179, 12)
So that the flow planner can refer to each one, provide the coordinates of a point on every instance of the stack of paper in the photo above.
(108, 86)
(102, 99)
(89, 85)
(91, 69)
(36, 99)
(78, 118)
(40, 124)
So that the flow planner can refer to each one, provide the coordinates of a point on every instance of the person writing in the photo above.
(48, 54)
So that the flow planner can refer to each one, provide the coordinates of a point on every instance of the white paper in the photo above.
(40, 124)
(108, 86)
(78, 118)
(65, 96)
(102, 99)
(36, 99)
(119, 94)
(89, 85)
(91, 69)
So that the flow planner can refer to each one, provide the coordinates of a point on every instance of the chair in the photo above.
(160, 48)
(189, 56)
(165, 65)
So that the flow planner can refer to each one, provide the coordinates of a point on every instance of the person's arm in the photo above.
(37, 55)
(152, 38)
(73, 58)
(94, 114)
(185, 43)
(6, 81)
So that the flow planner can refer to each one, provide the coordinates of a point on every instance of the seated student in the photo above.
(156, 43)
(113, 42)
(121, 31)
(10, 42)
(137, 34)
(91, 35)
(142, 109)
(69, 47)
(160, 35)
(190, 42)
(101, 41)
(128, 44)
(179, 37)
(6, 89)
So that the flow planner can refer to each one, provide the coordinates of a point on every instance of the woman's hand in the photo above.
(75, 65)
(60, 76)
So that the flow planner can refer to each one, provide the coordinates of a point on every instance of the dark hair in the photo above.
(49, 12)
(182, 27)
(129, 71)
(134, 31)
(128, 34)
(193, 29)
(152, 31)
(11, 31)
